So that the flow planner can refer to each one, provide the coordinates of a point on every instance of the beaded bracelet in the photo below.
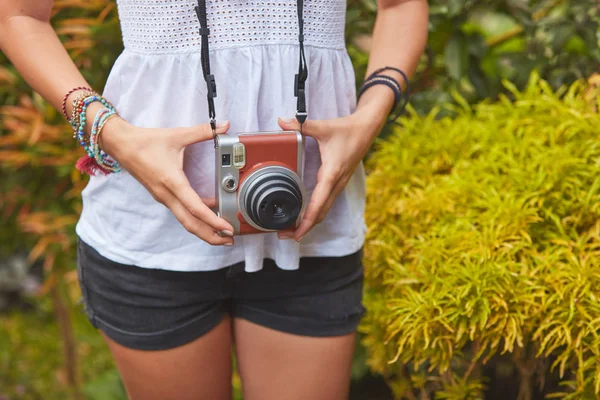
(66, 96)
(97, 160)
(102, 159)
(82, 116)
(76, 109)
(94, 131)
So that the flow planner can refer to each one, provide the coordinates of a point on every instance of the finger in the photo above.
(210, 202)
(329, 203)
(194, 225)
(198, 133)
(182, 190)
(317, 200)
(285, 234)
(313, 128)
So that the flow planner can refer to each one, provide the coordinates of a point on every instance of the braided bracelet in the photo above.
(387, 81)
(376, 78)
(66, 96)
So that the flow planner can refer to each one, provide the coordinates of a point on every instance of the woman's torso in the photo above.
(157, 82)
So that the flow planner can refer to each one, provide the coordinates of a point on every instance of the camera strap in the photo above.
(211, 85)
(300, 79)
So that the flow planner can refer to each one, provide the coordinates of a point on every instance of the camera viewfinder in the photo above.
(239, 155)
(226, 160)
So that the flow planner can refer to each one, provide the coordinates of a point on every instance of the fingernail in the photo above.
(228, 244)
(301, 237)
(286, 120)
(227, 233)
(284, 237)
(222, 124)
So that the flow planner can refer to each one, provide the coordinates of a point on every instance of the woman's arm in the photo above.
(399, 39)
(153, 156)
(32, 45)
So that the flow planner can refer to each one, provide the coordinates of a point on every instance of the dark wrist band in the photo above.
(387, 81)
(400, 96)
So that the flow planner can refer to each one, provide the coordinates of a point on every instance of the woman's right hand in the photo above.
(155, 158)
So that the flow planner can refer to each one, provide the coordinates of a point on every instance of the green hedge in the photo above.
(475, 44)
(483, 248)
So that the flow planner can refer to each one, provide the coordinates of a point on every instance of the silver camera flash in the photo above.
(239, 155)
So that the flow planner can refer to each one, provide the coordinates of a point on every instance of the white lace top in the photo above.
(172, 26)
(157, 82)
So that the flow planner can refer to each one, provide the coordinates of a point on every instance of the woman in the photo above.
(163, 278)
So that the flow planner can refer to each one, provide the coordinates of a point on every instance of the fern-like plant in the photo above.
(484, 245)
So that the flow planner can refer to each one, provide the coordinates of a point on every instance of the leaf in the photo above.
(478, 79)
(456, 55)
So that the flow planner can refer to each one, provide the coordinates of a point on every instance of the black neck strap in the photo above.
(211, 86)
(300, 79)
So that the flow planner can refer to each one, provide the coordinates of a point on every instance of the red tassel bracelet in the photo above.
(88, 165)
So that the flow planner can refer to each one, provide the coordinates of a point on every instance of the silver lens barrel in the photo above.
(272, 198)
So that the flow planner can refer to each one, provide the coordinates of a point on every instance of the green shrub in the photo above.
(474, 44)
(484, 245)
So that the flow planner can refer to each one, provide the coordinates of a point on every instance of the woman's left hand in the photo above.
(343, 142)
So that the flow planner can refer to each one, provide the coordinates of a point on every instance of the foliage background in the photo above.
(486, 249)
(49, 349)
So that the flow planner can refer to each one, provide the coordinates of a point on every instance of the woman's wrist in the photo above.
(374, 106)
(111, 131)
(112, 126)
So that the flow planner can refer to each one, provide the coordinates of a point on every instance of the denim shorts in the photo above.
(154, 309)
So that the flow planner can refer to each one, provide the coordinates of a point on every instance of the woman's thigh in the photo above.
(275, 365)
(294, 331)
(168, 331)
(199, 370)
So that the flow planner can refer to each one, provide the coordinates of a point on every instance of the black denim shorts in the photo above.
(153, 309)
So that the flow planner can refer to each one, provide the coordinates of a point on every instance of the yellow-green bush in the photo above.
(484, 247)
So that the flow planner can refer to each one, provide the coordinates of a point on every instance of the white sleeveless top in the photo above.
(157, 81)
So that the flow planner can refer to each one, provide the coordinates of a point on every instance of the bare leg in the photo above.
(200, 370)
(279, 366)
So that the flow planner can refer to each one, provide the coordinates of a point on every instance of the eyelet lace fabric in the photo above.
(171, 26)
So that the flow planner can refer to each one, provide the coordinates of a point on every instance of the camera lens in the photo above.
(278, 210)
(273, 199)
